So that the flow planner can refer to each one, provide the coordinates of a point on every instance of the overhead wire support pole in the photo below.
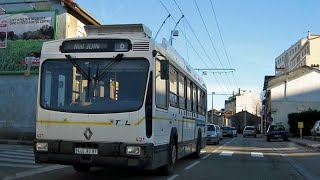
(169, 15)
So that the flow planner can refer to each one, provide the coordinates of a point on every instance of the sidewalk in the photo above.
(307, 142)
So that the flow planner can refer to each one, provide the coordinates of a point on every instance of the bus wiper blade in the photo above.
(75, 64)
(108, 67)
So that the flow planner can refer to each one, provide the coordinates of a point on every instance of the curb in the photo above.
(305, 145)
(16, 142)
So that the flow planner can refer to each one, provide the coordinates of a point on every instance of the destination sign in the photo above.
(96, 45)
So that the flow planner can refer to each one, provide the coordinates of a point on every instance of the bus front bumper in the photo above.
(109, 154)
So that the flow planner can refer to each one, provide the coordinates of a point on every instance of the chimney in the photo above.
(309, 34)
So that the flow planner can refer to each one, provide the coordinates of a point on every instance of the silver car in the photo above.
(212, 135)
(250, 131)
(315, 131)
(219, 132)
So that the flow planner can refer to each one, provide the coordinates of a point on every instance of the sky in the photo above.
(254, 33)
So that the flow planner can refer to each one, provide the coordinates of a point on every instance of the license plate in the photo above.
(277, 135)
(85, 151)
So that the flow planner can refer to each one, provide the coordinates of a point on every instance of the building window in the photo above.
(308, 50)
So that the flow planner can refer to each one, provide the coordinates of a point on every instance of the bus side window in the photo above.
(182, 96)
(195, 99)
(173, 86)
(189, 95)
(161, 88)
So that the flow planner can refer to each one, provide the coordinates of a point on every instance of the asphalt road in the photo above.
(234, 158)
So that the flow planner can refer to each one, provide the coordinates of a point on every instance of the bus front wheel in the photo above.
(172, 158)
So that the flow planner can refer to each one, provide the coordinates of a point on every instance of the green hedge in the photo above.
(307, 117)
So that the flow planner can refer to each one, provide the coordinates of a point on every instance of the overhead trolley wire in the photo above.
(220, 34)
(200, 44)
(184, 35)
(215, 50)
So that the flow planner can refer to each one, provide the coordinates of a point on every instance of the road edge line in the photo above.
(34, 172)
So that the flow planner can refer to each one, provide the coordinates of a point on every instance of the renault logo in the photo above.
(87, 133)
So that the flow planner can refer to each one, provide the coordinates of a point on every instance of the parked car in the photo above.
(219, 132)
(234, 132)
(315, 131)
(212, 135)
(229, 131)
(277, 132)
(249, 131)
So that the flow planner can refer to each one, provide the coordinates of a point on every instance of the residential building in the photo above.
(244, 100)
(243, 119)
(296, 91)
(216, 117)
(305, 52)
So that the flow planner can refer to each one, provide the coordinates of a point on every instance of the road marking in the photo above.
(17, 160)
(25, 151)
(226, 153)
(205, 157)
(191, 165)
(301, 169)
(173, 177)
(257, 154)
(18, 157)
(17, 153)
(34, 172)
(18, 165)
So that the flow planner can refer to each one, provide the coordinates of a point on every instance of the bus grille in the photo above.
(140, 46)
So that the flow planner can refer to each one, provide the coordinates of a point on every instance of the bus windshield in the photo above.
(93, 85)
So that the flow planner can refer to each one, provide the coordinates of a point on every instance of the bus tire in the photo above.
(196, 155)
(172, 157)
(81, 167)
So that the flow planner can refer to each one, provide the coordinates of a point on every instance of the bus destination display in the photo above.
(95, 45)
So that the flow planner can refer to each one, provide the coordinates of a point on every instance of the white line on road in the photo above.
(299, 167)
(191, 165)
(173, 177)
(226, 153)
(17, 160)
(257, 154)
(17, 157)
(17, 153)
(25, 151)
(206, 156)
(34, 172)
(18, 165)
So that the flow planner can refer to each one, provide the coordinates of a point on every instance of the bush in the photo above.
(307, 117)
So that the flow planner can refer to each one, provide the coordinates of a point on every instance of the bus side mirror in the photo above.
(164, 69)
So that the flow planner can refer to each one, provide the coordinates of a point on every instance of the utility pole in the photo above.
(245, 116)
(212, 107)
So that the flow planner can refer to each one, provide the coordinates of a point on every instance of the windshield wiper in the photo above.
(107, 68)
(75, 64)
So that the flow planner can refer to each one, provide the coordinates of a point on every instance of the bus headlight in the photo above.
(42, 146)
(133, 150)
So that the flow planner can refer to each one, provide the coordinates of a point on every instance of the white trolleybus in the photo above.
(118, 98)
